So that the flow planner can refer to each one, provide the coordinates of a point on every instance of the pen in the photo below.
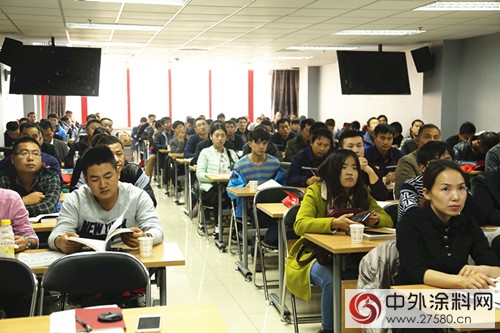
(84, 324)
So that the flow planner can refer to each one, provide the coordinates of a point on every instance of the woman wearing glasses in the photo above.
(339, 187)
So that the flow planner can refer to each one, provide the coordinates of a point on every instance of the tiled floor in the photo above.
(210, 276)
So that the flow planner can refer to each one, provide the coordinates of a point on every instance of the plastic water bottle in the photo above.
(75, 158)
(6, 239)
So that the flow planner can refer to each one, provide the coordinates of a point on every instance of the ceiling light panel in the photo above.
(454, 6)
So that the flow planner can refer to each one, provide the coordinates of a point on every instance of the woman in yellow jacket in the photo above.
(340, 187)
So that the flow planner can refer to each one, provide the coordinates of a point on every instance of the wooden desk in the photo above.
(189, 318)
(220, 180)
(45, 226)
(187, 185)
(275, 210)
(339, 244)
(164, 255)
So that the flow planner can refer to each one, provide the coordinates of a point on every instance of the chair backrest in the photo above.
(392, 210)
(91, 273)
(286, 166)
(287, 225)
(17, 282)
(271, 195)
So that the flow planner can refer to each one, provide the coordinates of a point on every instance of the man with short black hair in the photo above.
(283, 135)
(383, 156)
(59, 132)
(38, 186)
(107, 123)
(369, 135)
(32, 117)
(475, 148)
(302, 172)
(48, 137)
(92, 209)
(236, 140)
(299, 142)
(242, 130)
(83, 144)
(11, 133)
(201, 128)
(465, 132)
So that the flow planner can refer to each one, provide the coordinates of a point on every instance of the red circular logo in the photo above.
(365, 308)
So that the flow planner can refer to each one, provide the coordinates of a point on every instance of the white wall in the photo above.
(347, 108)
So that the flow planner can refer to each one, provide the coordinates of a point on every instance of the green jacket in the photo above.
(310, 219)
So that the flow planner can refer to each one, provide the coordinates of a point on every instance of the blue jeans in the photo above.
(323, 276)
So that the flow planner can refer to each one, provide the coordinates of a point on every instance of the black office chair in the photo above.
(263, 221)
(18, 287)
(285, 166)
(96, 278)
(392, 210)
(287, 235)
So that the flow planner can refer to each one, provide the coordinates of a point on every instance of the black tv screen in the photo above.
(373, 73)
(53, 70)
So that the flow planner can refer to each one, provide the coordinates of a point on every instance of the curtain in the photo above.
(55, 104)
(285, 92)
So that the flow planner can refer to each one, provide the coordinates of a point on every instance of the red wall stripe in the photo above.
(210, 94)
(129, 117)
(85, 109)
(170, 93)
(250, 95)
(42, 106)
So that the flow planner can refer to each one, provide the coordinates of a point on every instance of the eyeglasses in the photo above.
(201, 125)
(25, 153)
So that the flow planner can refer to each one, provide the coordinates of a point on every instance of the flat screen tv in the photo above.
(373, 73)
(53, 70)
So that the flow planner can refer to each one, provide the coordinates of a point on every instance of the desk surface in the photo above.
(165, 254)
(218, 178)
(242, 191)
(176, 155)
(45, 225)
(274, 210)
(341, 243)
(202, 317)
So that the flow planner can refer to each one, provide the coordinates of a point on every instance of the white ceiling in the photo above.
(212, 32)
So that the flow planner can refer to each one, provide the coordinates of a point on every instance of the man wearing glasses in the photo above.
(201, 129)
(38, 186)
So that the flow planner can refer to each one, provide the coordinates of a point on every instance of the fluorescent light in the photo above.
(144, 2)
(289, 58)
(380, 32)
(455, 6)
(126, 27)
(321, 48)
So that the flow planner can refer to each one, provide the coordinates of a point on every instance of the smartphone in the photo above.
(360, 217)
(148, 324)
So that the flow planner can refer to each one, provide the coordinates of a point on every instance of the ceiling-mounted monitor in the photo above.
(373, 73)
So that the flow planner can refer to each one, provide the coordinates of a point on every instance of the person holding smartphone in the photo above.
(340, 186)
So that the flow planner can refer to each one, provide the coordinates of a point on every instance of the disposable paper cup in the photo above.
(356, 233)
(146, 246)
(253, 185)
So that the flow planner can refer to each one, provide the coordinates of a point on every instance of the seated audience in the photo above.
(59, 132)
(474, 150)
(178, 143)
(368, 138)
(409, 143)
(34, 131)
(11, 134)
(486, 191)
(435, 243)
(271, 149)
(299, 142)
(242, 130)
(383, 155)
(215, 159)
(48, 137)
(398, 136)
(340, 187)
(92, 209)
(129, 172)
(38, 186)
(13, 209)
(282, 135)
(382, 119)
(236, 140)
(83, 144)
(201, 128)
(294, 125)
(412, 189)
(407, 167)
(465, 132)
(353, 140)
(257, 166)
(492, 159)
(303, 169)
